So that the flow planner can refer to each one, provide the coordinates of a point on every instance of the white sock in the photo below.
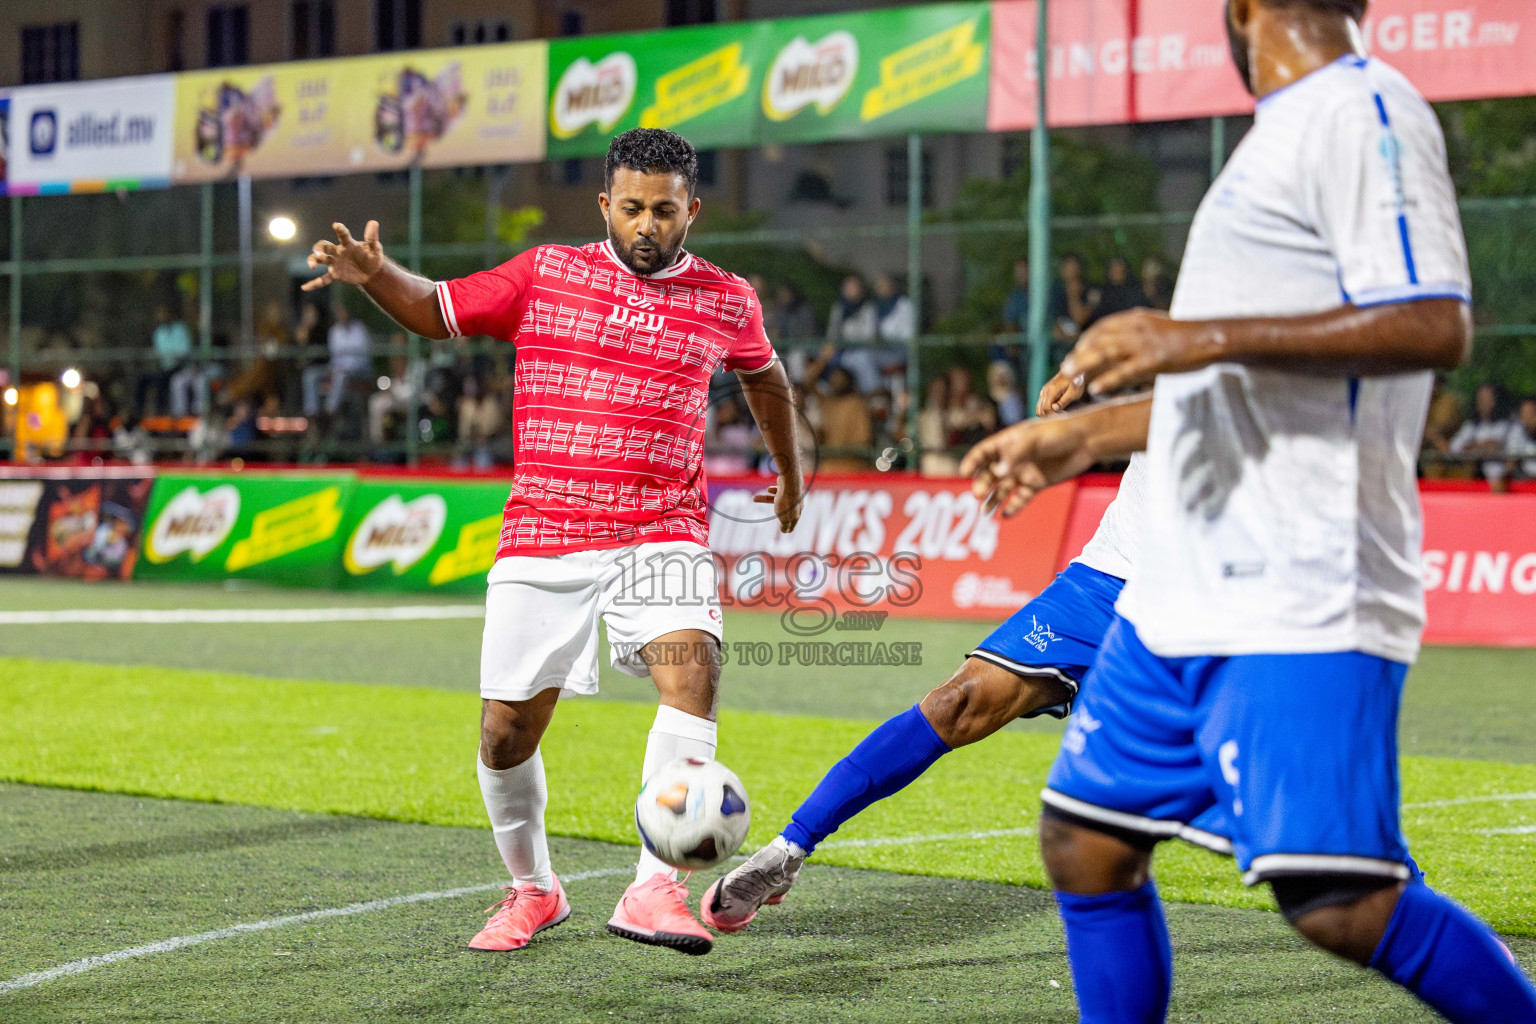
(515, 799)
(675, 734)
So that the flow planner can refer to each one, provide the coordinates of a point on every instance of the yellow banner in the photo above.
(475, 552)
(712, 80)
(287, 528)
(458, 107)
(924, 68)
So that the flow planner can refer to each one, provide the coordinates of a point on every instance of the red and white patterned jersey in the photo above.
(611, 390)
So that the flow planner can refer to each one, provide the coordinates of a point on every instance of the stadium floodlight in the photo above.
(282, 228)
(12, 396)
(70, 378)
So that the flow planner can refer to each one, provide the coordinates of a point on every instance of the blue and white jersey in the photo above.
(1282, 508)
(1114, 546)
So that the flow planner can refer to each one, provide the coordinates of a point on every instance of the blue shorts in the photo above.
(1058, 634)
(1286, 761)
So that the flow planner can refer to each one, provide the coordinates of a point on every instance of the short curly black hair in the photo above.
(1352, 8)
(653, 151)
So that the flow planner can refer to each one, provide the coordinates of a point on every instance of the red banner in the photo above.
(1124, 61)
(884, 545)
(1480, 569)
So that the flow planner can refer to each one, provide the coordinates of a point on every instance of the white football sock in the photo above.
(515, 799)
(674, 735)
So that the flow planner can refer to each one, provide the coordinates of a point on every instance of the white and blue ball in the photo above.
(693, 813)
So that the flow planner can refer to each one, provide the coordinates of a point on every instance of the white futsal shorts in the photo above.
(541, 614)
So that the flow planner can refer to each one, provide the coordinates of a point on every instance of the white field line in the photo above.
(90, 963)
(1519, 830)
(182, 941)
(1494, 798)
(239, 616)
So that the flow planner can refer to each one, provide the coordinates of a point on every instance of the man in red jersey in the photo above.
(616, 342)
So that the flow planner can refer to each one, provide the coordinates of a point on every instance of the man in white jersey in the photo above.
(1254, 672)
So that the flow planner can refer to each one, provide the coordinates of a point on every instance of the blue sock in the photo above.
(887, 761)
(1122, 961)
(1437, 950)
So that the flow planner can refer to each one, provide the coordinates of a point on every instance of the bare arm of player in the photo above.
(773, 407)
(408, 299)
(1012, 466)
(1132, 348)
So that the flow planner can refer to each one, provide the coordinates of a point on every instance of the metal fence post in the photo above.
(247, 265)
(1218, 146)
(1040, 218)
(413, 258)
(205, 295)
(15, 339)
(914, 285)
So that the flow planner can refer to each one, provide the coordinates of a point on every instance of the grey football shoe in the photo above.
(733, 901)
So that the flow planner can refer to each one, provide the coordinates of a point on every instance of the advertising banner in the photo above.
(458, 107)
(91, 136)
(872, 547)
(695, 80)
(1123, 61)
(434, 536)
(1480, 569)
(876, 73)
(279, 528)
(84, 525)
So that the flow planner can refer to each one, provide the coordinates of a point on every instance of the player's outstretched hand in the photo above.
(1060, 394)
(346, 259)
(1128, 349)
(787, 500)
(1012, 466)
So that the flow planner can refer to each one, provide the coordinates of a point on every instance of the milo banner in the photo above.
(889, 72)
(438, 536)
(79, 524)
(279, 528)
(444, 107)
(698, 81)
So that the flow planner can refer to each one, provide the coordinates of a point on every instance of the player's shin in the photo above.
(887, 760)
(675, 734)
(515, 799)
(1437, 950)
(1122, 961)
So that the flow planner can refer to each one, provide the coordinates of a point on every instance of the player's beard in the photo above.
(647, 261)
(1239, 44)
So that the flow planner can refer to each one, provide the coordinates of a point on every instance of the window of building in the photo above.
(175, 33)
(476, 31)
(692, 12)
(572, 23)
(1015, 154)
(311, 29)
(396, 24)
(50, 53)
(229, 34)
(709, 168)
(897, 175)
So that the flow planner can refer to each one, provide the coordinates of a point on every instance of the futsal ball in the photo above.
(693, 813)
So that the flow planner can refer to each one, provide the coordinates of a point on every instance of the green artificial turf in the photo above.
(86, 874)
(407, 754)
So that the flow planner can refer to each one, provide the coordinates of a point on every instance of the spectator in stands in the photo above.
(1016, 307)
(259, 376)
(1440, 426)
(479, 424)
(1487, 432)
(933, 431)
(846, 424)
(969, 417)
(240, 430)
(895, 316)
(793, 317)
(1070, 308)
(729, 451)
(1522, 440)
(92, 432)
(1003, 389)
(1118, 293)
(852, 320)
(172, 344)
(349, 345)
(395, 392)
(1154, 284)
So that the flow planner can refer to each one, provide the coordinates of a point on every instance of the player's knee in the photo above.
(506, 736)
(1082, 859)
(945, 708)
(1346, 915)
